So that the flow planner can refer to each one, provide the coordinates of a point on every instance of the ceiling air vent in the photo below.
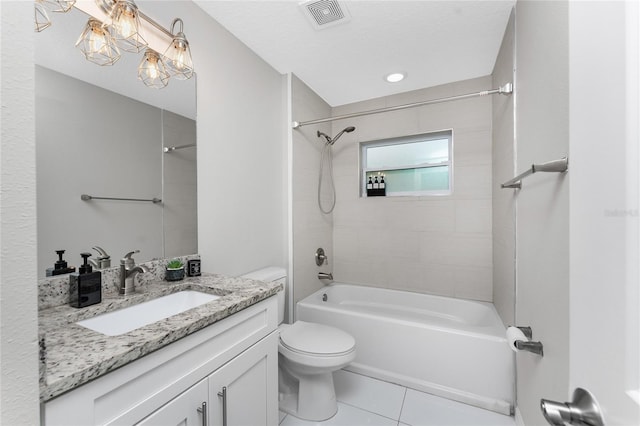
(325, 13)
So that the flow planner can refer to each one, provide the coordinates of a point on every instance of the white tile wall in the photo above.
(440, 245)
(311, 228)
(503, 212)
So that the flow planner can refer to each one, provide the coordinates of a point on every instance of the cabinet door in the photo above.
(182, 410)
(248, 386)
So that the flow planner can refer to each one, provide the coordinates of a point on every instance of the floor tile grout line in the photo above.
(364, 409)
(404, 397)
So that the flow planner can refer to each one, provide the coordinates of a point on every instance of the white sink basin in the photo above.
(136, 316)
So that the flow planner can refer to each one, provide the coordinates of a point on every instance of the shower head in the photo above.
(346, 130)
(331, 141)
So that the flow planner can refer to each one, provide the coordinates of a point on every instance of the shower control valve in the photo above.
(321, 258)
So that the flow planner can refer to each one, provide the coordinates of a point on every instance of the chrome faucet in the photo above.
(325, 276)
(128, 272)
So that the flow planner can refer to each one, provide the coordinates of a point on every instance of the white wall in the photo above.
(542, 231)
(439, 245)
(311, 228)
(19, 397)
(241, 149)
(503, 206)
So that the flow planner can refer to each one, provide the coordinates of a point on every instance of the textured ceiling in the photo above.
(434, 42)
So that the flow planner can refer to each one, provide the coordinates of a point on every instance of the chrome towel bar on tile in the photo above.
(85, 197)
(557, 166)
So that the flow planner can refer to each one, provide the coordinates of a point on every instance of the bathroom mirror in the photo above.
(101, 132)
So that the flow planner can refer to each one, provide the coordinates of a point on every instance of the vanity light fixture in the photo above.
(395, 77)
(125, 26)
(178, 54)
(152, 71)
(97, 45)
(116, 25)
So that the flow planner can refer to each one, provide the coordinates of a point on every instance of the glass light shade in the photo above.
(152, 71)
(125, 27)
(97, 45)
(178, 58)
(42, 20)
(60, 5)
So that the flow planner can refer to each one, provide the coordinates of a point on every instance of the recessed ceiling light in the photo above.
(395, 77)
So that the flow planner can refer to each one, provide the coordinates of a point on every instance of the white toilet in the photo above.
(309, 353)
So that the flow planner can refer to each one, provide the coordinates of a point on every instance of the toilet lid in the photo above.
(316, 339)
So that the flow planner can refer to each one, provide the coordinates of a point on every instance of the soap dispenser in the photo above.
(85, 287)
(60, 266)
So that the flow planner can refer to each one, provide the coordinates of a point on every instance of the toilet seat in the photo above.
(316, 340)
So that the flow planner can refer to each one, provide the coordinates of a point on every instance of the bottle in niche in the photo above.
(382, 184)
(376, 184)
(370, 184)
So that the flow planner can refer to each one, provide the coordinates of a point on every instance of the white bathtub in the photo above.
(448, 347)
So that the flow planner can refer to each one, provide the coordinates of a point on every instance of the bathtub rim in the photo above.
(495, 331)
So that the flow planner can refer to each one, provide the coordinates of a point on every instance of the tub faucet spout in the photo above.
(325, 276)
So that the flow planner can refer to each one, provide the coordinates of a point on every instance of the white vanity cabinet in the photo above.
(185, 410)
(168, 387)
(237, 394)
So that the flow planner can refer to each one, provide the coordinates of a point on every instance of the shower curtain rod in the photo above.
(507, 89)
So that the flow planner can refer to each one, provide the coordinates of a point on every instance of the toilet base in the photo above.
(308, 397)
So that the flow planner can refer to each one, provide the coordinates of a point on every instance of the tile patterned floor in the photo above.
(363, 401)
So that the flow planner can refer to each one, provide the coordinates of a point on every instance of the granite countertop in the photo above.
(75, 355)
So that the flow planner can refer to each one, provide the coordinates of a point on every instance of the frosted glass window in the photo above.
(408, 154)
(411, 166)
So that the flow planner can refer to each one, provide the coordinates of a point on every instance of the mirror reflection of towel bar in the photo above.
(85, 197)
(167, 149)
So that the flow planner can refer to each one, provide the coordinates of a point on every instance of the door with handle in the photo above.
(604, 326)
(244, 391)
(582, 410)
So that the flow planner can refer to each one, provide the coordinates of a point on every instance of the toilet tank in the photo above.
(273, 274)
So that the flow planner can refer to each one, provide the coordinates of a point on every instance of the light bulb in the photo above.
(96, 44)
(125, 26)
(96, 41)
(178, 54)
(152, 71)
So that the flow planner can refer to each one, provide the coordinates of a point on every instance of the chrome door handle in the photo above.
(223, 395)
(583, 410)
(203, 410)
